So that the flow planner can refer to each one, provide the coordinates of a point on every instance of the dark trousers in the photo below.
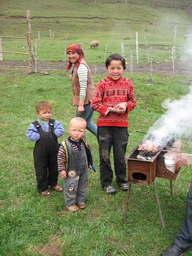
(45, 160)
(184, 236)
(116, 138)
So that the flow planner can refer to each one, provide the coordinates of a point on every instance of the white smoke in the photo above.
(175, 122)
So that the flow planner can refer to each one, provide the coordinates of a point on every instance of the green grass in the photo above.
(30, 223)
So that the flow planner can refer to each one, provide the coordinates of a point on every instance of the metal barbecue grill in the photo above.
(144, 171)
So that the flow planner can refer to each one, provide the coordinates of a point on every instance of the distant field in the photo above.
(109, 22)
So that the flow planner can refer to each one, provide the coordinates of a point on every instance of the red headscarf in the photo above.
(75, 48)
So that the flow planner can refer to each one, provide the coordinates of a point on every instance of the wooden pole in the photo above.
(147, 49)
(131, 64)
(31, 59)
(137, 48)
(39, 36)
(173, 59)
(23, 53)
(36, 55)
(105, 52)
(13, 37)
(175, 35)
(1, 49)
(151, 61)
(122, 49)
(65, 47)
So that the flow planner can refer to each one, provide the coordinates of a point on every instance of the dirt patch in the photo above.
(182, 67)
(52, 248)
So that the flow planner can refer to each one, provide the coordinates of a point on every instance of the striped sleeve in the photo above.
(82, 73)
(61, 159)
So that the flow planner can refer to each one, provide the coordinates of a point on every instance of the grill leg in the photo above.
(158, 204)
(127, 203)
(171, 188)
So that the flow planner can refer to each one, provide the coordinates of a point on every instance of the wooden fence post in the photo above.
(173, 59)
(65, 47)
(39, 37)
(151, 61)
(36, 55)
(29, 41)
(105, 52)
(131, 64)
(147, 49)
(175, 36)
(1, 49)
(137, 48)
(122, 49)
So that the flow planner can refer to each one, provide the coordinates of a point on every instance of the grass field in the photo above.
(33, 225)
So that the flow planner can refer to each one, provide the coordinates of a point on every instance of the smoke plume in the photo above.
(175, 122)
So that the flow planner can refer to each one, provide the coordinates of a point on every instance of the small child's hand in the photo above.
(63, 174)
(92, 167)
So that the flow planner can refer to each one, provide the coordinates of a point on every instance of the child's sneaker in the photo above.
(45, 193)
(109, 190)
(82, 205)
(124, 186)
(73, 208)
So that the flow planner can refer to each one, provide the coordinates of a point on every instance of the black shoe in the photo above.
(173, 250)
(123, 186)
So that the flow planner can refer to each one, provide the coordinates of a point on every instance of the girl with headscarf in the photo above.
(82, 85)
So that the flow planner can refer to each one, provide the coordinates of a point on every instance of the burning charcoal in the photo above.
(146, 155)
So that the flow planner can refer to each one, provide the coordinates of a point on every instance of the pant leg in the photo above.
(70, 190)
(184, 236)
(82, 186)
(105, 144)
(120, 139)
(87, 115)
(40, 163)
(53, 167)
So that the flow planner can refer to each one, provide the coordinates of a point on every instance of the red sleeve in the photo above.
(96, 101)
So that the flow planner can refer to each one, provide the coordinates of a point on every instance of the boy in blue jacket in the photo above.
(44, 132)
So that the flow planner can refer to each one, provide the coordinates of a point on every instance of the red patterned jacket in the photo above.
(109, 93)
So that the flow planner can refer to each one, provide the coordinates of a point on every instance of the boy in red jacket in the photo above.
(113, 99)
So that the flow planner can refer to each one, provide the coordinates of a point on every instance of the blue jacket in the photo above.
(33, 134)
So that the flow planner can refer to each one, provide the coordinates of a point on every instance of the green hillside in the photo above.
(109, 22)
(159, 24)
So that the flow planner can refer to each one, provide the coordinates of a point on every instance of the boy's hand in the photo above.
(120, 108)
(63, 174)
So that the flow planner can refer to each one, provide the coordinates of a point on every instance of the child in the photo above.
(82, 85)
(74, 158)
(113, 99)
(45, 132)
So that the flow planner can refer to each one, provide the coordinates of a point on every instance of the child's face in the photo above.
(76, 130)
(73, 57)
(115, 69)
(44, 115)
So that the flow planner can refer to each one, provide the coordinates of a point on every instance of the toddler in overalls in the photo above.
(45, 132)
(74, 158)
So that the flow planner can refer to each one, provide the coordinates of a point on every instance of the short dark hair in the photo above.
(115, 56)
(42, 105)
